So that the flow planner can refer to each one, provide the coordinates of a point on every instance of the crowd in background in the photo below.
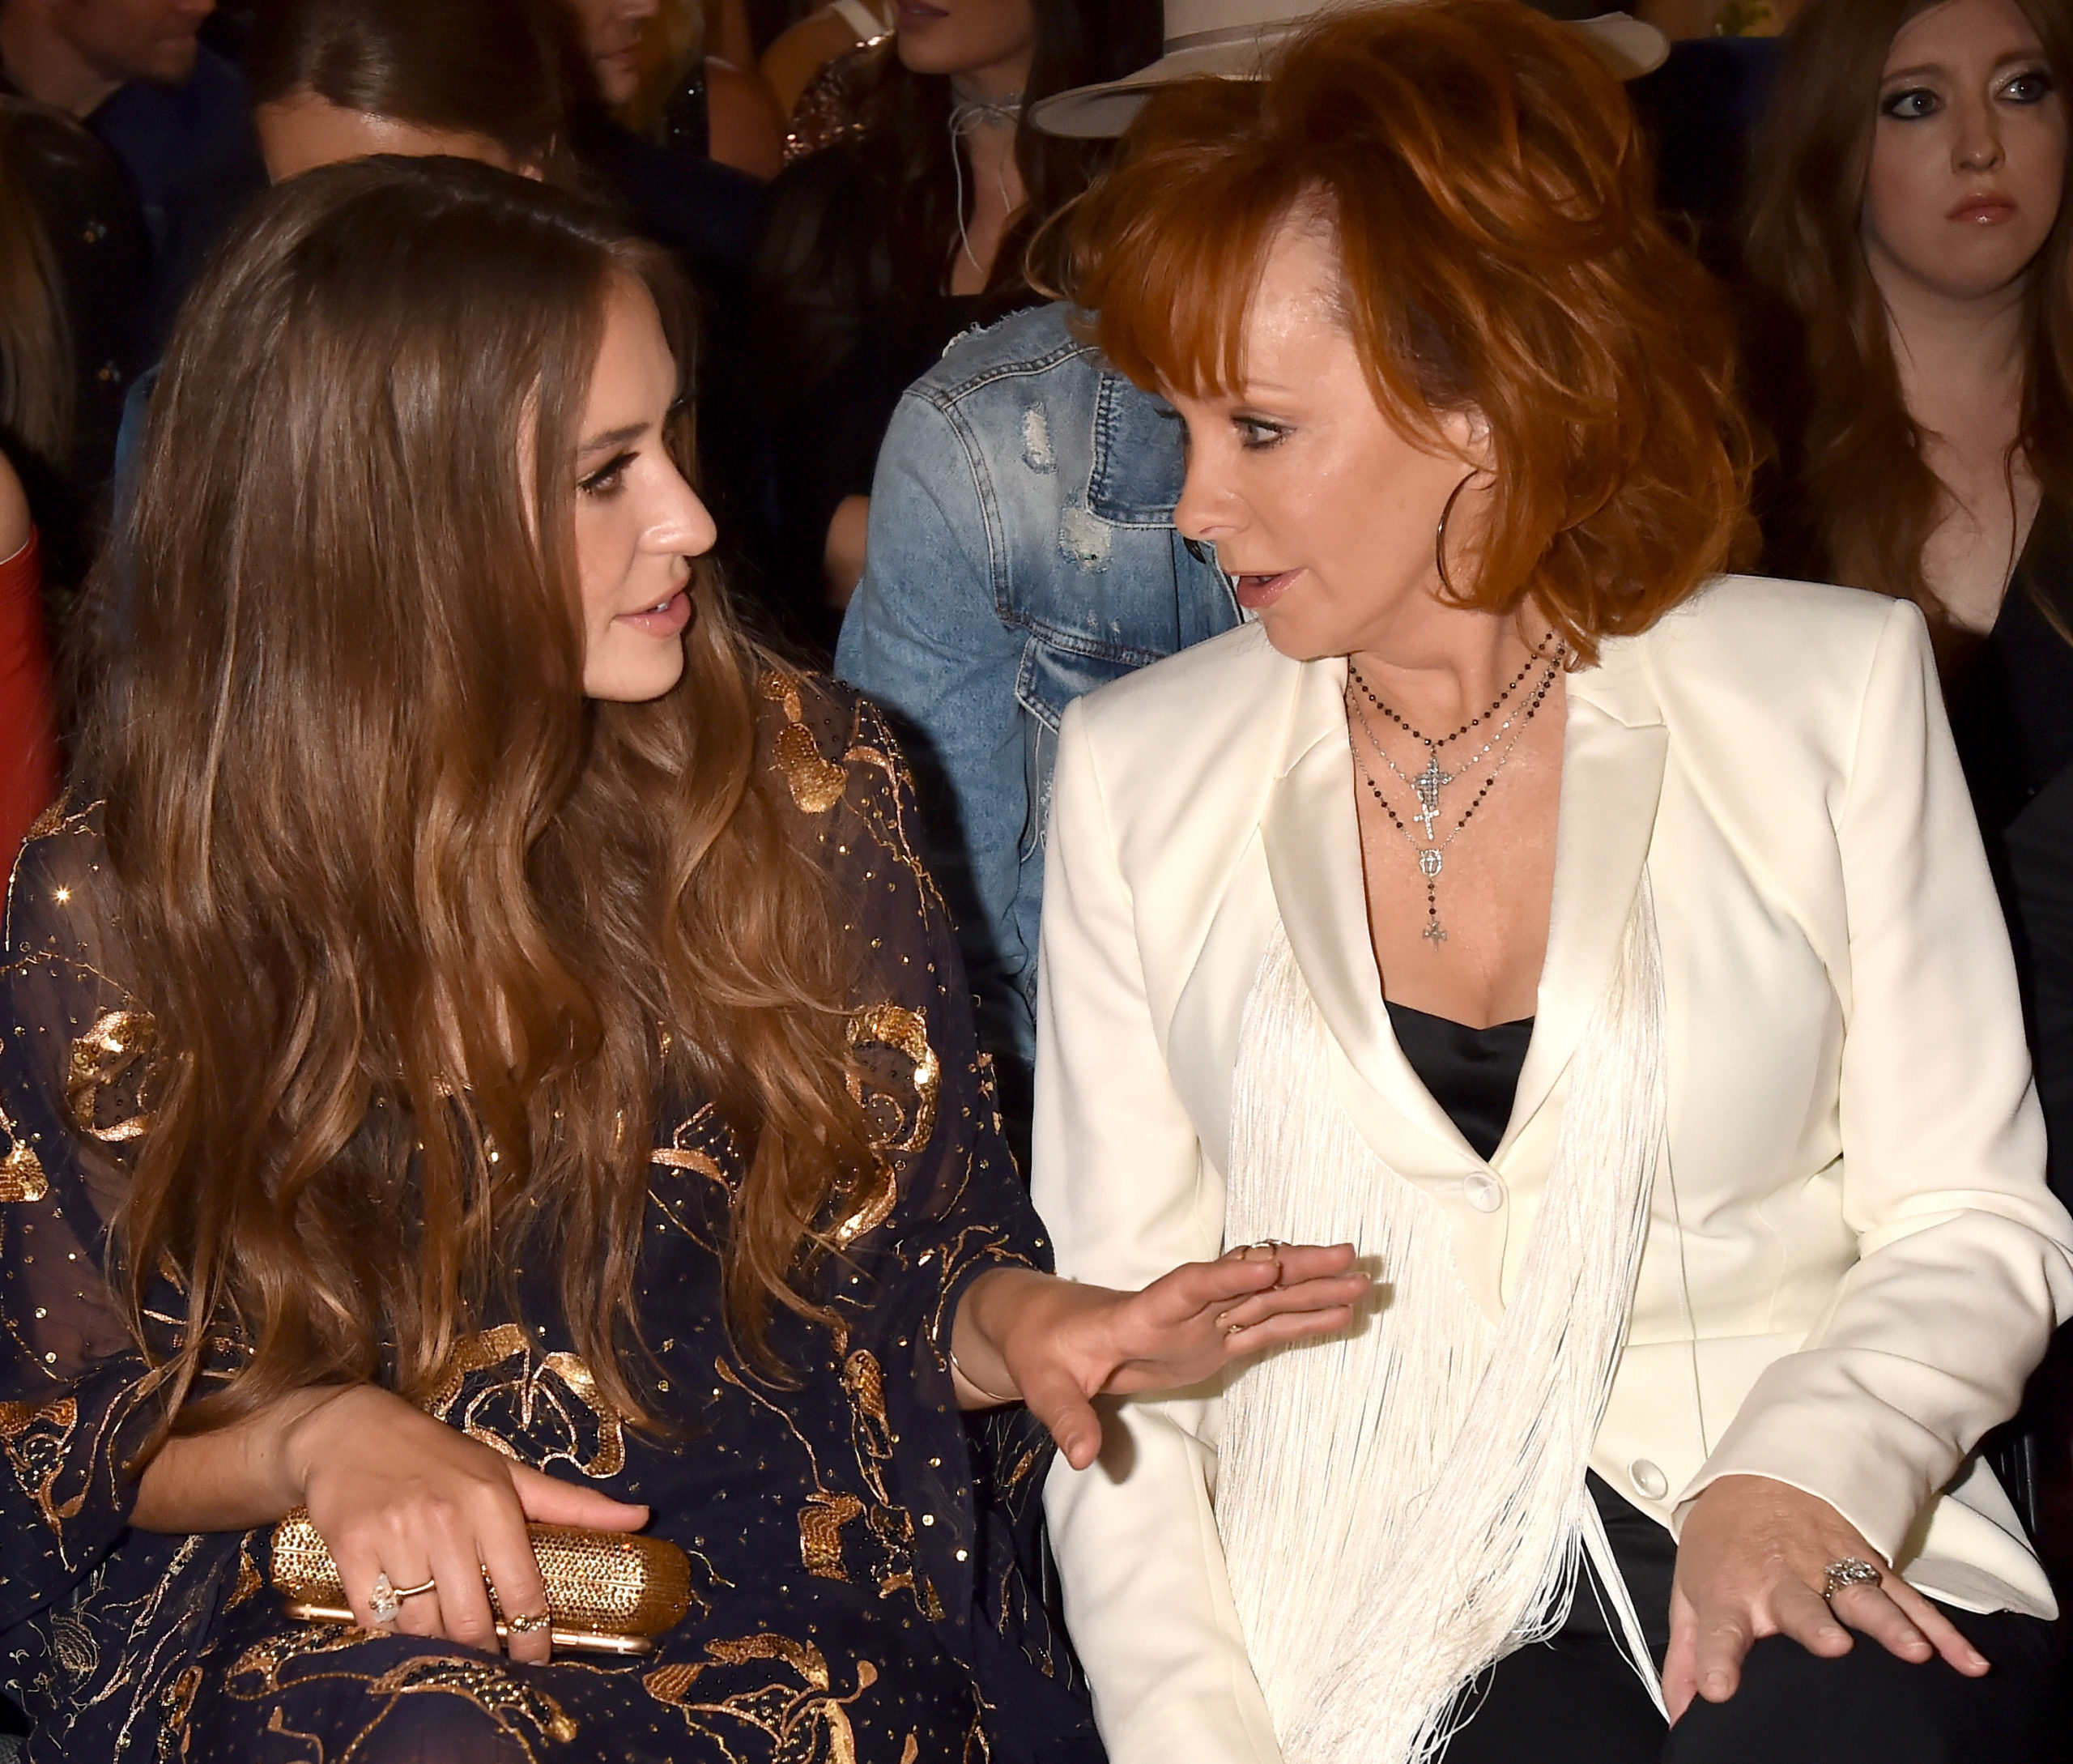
(850, 189)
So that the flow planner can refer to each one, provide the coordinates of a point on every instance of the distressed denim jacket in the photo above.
(1021, 552)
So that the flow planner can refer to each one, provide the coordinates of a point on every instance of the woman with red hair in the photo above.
(1601, 942)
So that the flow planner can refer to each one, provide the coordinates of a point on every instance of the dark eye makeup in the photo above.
(1910, 103)
(609, 477)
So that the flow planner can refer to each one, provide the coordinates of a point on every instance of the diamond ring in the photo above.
(1848, 1572)
(384, 1599)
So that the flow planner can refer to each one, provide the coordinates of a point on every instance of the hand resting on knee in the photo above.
(1752, 1560)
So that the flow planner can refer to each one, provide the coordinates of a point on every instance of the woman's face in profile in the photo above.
(1320, 510)
(1968, 152)
(638, 524)
(970, 37)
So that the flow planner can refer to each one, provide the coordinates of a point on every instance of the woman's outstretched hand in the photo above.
(1751, 1561)
(1055, 1345)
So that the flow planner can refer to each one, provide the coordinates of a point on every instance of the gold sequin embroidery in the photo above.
(110, 1053)
(816, 783)
(804, 1726)
(560, 1384)
(906, 1032)
(821, 1521)
(21, 1170)
(37, 1437)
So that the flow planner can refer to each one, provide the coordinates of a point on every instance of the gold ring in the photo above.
(525, 1626)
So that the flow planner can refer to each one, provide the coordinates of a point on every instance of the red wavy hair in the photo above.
(1501, 251)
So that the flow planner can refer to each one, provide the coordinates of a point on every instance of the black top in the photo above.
(1473, 1073)
(2011, 713)
(2012, 694)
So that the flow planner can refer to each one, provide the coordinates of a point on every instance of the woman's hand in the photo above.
(1751, 1563)
(392, 1491)
(1056, 1343)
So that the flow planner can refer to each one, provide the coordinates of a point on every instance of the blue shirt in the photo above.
(1021, 552)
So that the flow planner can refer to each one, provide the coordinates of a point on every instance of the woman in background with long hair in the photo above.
(482, 1051)
(914, 223)
(1913, 267)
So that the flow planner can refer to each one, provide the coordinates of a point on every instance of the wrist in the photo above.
(305, 1418)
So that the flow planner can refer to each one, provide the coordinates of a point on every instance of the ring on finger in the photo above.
(385, 1599)
(526, 1624)
(1850, 1571)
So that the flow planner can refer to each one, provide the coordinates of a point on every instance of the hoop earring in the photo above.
(1439, 537)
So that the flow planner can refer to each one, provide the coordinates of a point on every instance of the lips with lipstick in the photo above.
(913, 16)
(1983, 209)
(1256, 591)
(664, 619)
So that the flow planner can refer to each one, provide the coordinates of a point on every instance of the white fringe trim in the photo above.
(1403, 1506)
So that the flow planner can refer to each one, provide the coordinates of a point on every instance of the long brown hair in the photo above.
(1485, 182)
(907, 153)
(424, 931)
(1855, 502)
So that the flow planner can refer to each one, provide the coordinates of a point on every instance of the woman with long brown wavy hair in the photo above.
(482, 1051)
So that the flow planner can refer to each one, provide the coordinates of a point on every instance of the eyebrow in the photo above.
(614, 437)
(1937, 67)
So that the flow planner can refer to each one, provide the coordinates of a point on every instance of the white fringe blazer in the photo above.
(1851, 1261)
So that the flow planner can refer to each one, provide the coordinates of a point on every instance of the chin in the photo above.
(634, 685)
(1301, 639)
(174, 65)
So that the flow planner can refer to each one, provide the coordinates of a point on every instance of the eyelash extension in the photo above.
(606, 479)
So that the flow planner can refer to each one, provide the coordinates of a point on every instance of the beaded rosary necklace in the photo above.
(1427, 785)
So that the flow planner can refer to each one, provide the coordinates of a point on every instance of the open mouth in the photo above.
(666, 618)
(1255, 591)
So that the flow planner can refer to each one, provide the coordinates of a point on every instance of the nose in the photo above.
(1206, 512)
(682, 527)
(1976, 146)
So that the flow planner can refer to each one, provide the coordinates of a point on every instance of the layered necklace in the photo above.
(1503, 740)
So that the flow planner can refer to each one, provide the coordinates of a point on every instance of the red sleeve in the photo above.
(28, 732)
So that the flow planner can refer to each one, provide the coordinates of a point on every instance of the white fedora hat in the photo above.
(1233, 39)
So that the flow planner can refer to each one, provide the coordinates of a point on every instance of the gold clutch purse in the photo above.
(608, 1592)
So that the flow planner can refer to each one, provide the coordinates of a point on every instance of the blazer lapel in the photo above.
(1312, 838)
(1612, 762)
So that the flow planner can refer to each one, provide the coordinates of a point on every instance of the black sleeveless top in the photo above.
(1473, 1074)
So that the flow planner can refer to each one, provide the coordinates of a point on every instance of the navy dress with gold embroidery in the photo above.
(857, 1553)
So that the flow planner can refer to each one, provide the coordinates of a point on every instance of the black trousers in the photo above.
(1576, 1699)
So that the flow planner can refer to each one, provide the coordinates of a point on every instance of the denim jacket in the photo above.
(1021, 552)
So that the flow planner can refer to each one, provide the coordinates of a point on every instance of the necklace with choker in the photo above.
(972, 111)
(1428, 784)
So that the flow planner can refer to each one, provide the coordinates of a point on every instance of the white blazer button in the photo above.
(1482, 1192)
(1649, 1482)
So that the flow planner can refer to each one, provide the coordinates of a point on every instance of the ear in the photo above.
(1467, 432)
